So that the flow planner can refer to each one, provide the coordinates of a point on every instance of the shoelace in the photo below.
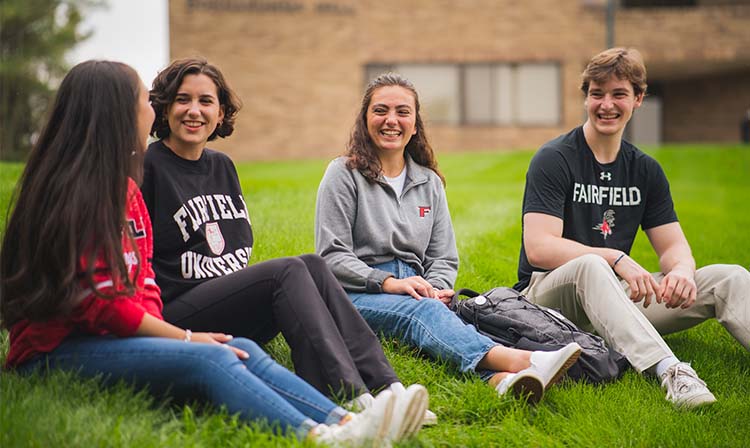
(680, 377)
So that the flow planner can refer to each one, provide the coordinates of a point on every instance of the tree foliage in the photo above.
(34, 38)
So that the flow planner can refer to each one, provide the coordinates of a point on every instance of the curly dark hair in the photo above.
(167, 83)
(361, 152)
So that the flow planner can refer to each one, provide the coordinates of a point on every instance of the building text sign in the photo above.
(270, 6)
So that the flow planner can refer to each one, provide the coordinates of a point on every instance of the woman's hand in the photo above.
(415, 286)
(220, 339)
(445, 295)
(152, 326)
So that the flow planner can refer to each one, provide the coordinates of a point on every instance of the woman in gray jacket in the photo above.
(383, 226)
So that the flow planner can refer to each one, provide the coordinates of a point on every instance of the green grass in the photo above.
(711, 187)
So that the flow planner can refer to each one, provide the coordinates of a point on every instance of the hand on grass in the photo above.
(218, 339)
(641, 282)
(415, 286)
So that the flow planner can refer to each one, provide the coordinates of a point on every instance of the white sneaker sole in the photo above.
(697, 401)
(385, 425)
(380, 437)
(413, 417)
(569, 355)
(529, 386)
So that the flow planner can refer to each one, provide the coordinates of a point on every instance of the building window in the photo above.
(484, 94)
(538, 93)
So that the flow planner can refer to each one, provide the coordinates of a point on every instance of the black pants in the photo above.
(332, 347)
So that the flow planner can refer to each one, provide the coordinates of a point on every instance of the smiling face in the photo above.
(391, 119)
(194, 114)
(610, 105)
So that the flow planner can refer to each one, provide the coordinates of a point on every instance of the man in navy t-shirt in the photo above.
(587, 192)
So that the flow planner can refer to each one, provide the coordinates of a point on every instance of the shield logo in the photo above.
(214, 238)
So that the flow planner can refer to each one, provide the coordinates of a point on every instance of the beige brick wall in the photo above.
(706, 110)
(300, 72)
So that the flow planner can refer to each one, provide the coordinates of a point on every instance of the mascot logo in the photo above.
(214, 238)
(608, 223)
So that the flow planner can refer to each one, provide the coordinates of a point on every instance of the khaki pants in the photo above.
(589, 293)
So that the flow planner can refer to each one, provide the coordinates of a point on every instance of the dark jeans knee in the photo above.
(313, 261)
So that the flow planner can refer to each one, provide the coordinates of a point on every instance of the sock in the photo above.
(660, 368)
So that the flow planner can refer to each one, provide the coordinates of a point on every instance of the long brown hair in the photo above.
(70, 200)
(361, 152)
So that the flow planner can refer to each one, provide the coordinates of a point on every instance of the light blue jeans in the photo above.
(426, 324)
(256, 388)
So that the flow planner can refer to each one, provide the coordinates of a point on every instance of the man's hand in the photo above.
(679, 288)
(642, 284)
(415, 286)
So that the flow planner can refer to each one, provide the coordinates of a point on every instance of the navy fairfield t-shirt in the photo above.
(601, 204)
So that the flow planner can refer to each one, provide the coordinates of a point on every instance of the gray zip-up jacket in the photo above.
(359, 224)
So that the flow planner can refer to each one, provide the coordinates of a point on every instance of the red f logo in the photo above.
(423, 210)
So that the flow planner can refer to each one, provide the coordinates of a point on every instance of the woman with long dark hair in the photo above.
(382, 225)
(77, 287)
(203, 241)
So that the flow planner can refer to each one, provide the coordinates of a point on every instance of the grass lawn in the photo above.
(711, 187)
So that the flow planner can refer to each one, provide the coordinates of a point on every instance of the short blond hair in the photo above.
(624, 63)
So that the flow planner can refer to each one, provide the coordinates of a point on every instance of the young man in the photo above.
(587, 192)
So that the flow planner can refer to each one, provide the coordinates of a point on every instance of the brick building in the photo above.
(492, 74)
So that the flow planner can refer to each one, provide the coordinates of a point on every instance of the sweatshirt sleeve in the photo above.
(335, 213)
(441, 256)
(120, 315)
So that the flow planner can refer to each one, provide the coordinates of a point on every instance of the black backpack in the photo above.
(507, 317)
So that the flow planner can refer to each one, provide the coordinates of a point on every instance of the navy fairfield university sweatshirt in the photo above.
(201, 225)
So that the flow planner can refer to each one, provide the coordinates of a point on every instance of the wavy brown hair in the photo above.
(167, 83)
(623, 63)
(70, 200)
(361, 152)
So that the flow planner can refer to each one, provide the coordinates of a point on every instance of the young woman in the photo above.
(382, 225)
(203, 240)
(77, 287)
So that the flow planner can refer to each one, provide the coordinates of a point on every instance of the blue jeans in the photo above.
(426, 324)
(256, 388)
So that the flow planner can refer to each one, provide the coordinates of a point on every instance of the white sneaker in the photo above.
(360, 403)
(409, 411)
(367, 429)
(430, 418)
(551, 366)
(525, 383)
(684, 388)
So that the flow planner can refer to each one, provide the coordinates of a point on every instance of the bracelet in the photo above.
(188, 335)
(618, 259)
